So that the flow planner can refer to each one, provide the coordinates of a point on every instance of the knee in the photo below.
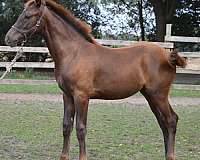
(67, 129)
(81, 132)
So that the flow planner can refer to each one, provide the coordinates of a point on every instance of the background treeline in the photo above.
(121, 19)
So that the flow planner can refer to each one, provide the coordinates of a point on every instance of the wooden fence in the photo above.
(170, 38)
(192, 68)
(46, 65)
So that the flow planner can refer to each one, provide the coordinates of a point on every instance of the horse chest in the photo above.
(64, 82)
(73, 80)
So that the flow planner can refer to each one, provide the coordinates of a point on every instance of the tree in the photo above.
(186, 21)
(164, 11)
(86, 10)
(9, 11)
(133, 22)
(140, 13)
(140, 8)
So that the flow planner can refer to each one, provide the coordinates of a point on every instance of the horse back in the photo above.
(124, 71)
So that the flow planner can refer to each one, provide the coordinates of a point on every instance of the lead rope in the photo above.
(18, 55)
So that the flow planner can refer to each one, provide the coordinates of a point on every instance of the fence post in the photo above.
(168, 33)
(169, 30)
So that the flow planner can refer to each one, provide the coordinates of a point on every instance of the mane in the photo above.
(80, 26)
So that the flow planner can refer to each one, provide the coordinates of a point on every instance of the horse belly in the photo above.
(117, 90)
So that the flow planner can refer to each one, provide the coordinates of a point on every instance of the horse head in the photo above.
(28, 23)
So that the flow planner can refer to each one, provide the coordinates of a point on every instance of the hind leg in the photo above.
(166, 117)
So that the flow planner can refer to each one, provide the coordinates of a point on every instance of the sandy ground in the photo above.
(136, 100)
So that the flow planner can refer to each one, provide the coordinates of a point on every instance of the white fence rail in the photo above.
(41, 50)
(38, 50)
(182, 39)
(44, 65)
(168, 45)
(193, 66)
(191, 69)
(170, 38)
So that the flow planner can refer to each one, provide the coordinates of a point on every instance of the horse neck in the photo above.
(61, 38)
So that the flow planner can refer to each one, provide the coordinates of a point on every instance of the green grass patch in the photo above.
(33, 131)
(26, 89)
(29, 73)
(184, 93)
(53, 89)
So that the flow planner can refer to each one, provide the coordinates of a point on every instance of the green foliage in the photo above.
(186, 22)
(9, 11)
(123, 19)
(86, 10)
(118, 18)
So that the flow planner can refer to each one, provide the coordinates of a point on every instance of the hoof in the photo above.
(64, 157)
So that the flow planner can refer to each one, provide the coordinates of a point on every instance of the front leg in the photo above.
(68, 121)
(81, 101)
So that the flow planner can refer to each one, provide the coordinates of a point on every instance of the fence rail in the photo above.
(43, 50)
(167, 45)
(40, 50)
(170, 38)
(182, 39)
(44, 65)
(191, 69)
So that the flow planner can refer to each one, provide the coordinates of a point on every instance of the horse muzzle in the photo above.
(13, 38)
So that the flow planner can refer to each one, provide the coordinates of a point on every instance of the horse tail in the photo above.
(176, 60)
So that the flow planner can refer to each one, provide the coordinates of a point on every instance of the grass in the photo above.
(184, 93)
(53, 89)
(29, 73)
(26, 89)
(32, 131)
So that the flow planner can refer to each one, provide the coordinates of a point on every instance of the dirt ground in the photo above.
(136, 100)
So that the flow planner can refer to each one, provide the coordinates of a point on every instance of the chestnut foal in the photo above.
(86, 70)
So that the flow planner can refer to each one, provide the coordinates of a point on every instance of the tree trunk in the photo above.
(160, 26)
(164, 10)
(140, 7)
